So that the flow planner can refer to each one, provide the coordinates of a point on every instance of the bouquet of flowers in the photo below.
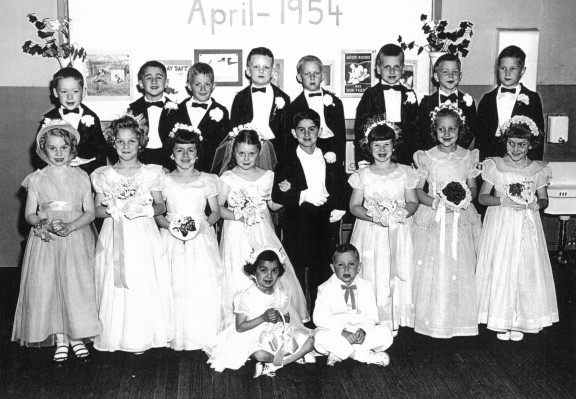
(41, 230)
(122, 190)
(382, 209)
(520, 192)
(125, 191)
(248, 206)
(183, 227)
(456, 195)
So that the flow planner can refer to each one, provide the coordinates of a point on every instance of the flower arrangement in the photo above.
(523, 98)
(182, 226)
(439, 39)
(87, 120)
(519, 120)
(456, 195)
(330, 157)
(54, 46)
(410, 98)
(381, 209)
(247, 126)
(171, 106)
(520, 192)
(247, 206)
(378, 121)
(183, 126)
(216, 114)
(328, 100)
(451, 107)
(41, 230)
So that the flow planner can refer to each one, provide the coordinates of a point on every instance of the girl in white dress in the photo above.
(447, 232)
(244, 201)
(132, 276)
(261, 327)
(384, 240)
(514, 277)
(192, 251)
(57, 300)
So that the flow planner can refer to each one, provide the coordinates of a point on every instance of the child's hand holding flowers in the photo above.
(519, 196)
(41, 230)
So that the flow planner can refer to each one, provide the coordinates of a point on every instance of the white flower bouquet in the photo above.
(383, 210)
(247, 206)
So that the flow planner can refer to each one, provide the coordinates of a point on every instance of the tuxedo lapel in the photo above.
(378, 98)
(246, 101)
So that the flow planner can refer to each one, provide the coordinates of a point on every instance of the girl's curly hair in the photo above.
(127, 122)
(463, 130)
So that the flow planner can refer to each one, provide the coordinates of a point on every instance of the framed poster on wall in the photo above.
(227, 65)
(108, 76)
(177, 75)
(357, 72)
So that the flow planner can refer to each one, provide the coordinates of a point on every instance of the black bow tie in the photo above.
(199, 105)
(258, 89)
(154, 104)
(314, 94)
(390, 87)
(66, 111)
(505, 90)
(452, 97)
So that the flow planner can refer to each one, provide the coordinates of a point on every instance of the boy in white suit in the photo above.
(346, 314)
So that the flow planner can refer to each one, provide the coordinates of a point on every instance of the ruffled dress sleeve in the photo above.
(473, 161)
(355, 181)
(543, 177)
(156, 182)
(282, 301)
(412, 178)
(422, 162)
(227, 178)
(29, 182)
(489, 171)
(242, 302)
(212, 185)
(99, 180)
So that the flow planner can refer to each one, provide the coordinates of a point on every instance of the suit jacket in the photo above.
(372, 104)
(242, 112)
(334, 117)
(166, 122)
(331, 311)
(213, 130)
(487, 142)
(432, 101)
(92, 142)
(290, 168)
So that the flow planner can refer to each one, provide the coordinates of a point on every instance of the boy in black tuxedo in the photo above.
(204, 113)
(68, 89)
(509, 99)
(448, 74)
(158, 110)
(262, 103)
(307, 182)
(389, 97)
(325, 103)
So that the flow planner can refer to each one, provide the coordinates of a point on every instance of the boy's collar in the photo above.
(300, 150)
(382, 82)
(79, 107)
(163, 99)
(518, 87)
(306, 91)
(443, 93)
(269, 85)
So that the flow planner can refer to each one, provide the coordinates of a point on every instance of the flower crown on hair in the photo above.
(183, 126)
(266, 247)
(448, 106)
(379, 121)
(54, 122)
(247, 126)
(139, 119)
(519, 120)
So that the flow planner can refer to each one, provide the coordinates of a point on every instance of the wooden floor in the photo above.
(540, 366)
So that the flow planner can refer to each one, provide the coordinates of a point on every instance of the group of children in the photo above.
(419, 256)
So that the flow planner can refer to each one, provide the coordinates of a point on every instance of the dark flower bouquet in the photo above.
(183, 227)
(439, 39)
(520, 192)
(456, 195)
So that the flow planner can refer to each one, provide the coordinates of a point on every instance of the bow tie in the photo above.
(200, 105)
(453, 98)
(258, 90)
(505, 90)
(154, 104)
(314, 94)
(349, 294)
(66, 111)
(390, 87)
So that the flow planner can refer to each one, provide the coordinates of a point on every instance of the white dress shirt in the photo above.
(393, 101)
(154, 113)
(262, 104)
(197, 113)
(317, 104)
(314, 167)
(505, 104)
(72, 118)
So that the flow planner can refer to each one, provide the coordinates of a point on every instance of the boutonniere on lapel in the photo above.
(87, 120)
(170, 106)
(330, 157)
(523, 98)
(216, 114)
(410, 98)
(279, 103)
(468, 100)
(328, 100)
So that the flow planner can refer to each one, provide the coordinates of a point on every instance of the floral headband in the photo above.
(519, 120)
(448, 106)
(183, 126)
(247, 126)
(266, 247)
(379, 121)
